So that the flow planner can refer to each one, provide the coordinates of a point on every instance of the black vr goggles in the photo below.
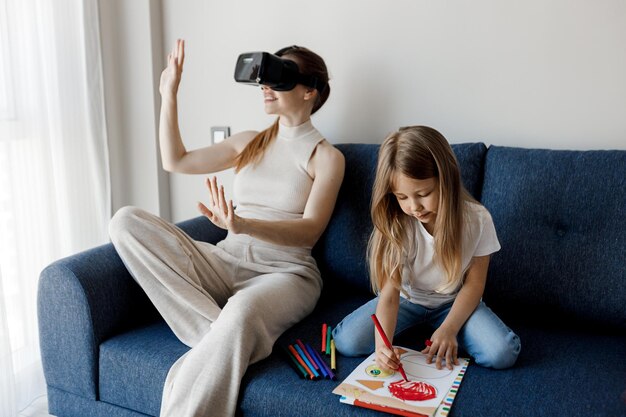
(277, 73)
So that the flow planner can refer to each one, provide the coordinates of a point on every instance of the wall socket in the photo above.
(219, 133)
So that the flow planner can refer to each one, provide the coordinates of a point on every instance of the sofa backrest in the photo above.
(561, 220)
(341, 251)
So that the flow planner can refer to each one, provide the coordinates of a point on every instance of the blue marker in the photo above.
(305, 359)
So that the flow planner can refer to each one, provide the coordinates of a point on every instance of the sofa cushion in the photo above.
(341, 250)
(566, 376)
(64, 404)
(471, 158)
(134, 365)
(82, 300)
(561, 221)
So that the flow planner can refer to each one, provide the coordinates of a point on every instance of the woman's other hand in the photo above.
(171, 75)
(221, 213)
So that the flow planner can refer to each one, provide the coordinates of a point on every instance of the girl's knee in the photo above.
(489, 340)
(354, 335)
(500, 355)
(352, 343)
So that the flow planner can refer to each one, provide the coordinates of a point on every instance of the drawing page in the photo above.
(425, 391)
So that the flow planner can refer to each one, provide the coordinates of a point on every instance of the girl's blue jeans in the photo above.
(484, 336)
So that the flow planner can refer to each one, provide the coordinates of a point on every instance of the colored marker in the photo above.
(308, 355)
(294, 363)
(306, 360)
(328, 333)
(428, 342)
(383, 336)
(316, 361)
(324, 329)
(300, 361)
(331, 375)
(333, 363)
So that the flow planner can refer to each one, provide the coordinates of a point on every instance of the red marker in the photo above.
(294, 352)
(428, 342)
(387, 343)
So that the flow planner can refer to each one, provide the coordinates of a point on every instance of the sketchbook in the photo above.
(428, 393)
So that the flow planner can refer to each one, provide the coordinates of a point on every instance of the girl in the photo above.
(230, 302)
(428, 258)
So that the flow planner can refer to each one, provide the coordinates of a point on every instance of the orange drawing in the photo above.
(373, 385)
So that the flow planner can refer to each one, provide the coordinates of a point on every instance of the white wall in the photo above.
(538, 73)
(132, 60)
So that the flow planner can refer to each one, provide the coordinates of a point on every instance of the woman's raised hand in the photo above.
(221, 213)
(170, 77)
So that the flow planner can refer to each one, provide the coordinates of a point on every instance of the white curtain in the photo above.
(54, 179)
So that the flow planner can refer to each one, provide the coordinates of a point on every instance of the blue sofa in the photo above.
(559, 282)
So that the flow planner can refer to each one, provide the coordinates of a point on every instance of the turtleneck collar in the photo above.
(293, 132)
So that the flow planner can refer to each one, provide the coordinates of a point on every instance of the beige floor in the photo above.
(38, 408)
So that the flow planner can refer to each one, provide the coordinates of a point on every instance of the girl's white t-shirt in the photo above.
(422, 276)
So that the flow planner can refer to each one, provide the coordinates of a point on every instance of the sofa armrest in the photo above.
(87, 298)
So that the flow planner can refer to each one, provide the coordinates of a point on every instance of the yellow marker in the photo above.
(333, 363)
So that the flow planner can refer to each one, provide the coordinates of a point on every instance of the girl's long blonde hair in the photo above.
(418, 152)
(309, 63)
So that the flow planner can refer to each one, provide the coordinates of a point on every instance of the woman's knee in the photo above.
(125, 221)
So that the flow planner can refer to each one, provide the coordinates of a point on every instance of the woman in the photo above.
(230, 302)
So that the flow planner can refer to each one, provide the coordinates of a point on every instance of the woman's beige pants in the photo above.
(229, 302)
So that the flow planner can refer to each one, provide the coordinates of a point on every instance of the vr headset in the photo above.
(263, 68)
